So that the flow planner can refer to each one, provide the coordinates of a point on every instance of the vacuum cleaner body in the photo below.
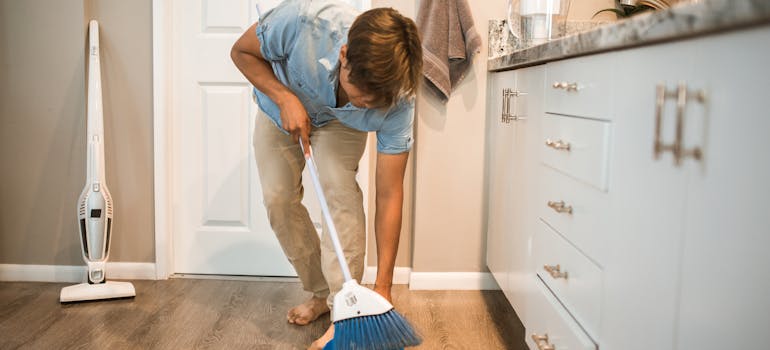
(95, 203)
(95, 219)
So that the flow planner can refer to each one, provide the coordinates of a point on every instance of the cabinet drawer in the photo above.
(575, 210)
(572, 277)
(549, 319)
(578, 147)
(580, 87)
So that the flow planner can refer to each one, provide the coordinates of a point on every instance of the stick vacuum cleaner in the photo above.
(95, 204)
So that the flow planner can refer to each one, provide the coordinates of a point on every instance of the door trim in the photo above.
(162, 68)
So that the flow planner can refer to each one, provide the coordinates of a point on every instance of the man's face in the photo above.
(356, 97)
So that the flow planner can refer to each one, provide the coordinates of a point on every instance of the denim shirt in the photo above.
(301, 39)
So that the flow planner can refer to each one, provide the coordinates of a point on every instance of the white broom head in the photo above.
(356, 301)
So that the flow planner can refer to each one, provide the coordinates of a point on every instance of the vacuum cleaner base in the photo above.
(107, 290)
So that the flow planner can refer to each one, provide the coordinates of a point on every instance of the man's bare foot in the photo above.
(319, 343)
(384, 290)
(308, 311)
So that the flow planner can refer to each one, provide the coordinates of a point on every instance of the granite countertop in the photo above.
(681, 21)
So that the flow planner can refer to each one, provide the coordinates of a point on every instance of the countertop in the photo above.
(682, 21)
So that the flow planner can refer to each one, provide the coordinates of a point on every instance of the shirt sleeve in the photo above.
(277, 30)
(395, 135)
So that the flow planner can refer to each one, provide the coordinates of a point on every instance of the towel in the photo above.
(449, 41)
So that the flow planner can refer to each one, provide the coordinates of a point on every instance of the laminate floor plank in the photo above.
(230, 314)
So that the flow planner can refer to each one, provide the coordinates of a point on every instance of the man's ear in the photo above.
(344, 54)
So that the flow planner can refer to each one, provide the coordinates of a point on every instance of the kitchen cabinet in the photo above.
(570, 199)
(644, 209)
(684, 258)
(501, 137)
(513, 121)
(529, 84)
(724, 299)
(647, 199)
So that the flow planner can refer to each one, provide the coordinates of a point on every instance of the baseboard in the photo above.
(131, 271)
(146, 271)
(74, 274)
(400, 275)
(452, 281)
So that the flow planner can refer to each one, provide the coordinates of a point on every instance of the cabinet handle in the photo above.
(566, 86)
(681, 95)
(555, 271)
(506, 116)
(558, 145)
(660, 100)
(681, 104)
(542, 342)
(560, 207)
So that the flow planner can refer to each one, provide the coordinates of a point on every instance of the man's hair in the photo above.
(384, 55)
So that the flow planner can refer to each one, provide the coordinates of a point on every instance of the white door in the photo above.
(219, 223)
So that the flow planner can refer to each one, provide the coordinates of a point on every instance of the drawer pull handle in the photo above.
(558, 145)
(560, 207)
(542, 342)
(566, 86)
(555, 271)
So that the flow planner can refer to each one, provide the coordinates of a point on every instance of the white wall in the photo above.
(449, 220)
(43, 127)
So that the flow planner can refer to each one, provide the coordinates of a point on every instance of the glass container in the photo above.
(543, 20)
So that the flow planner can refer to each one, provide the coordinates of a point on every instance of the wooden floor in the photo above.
(227, 314)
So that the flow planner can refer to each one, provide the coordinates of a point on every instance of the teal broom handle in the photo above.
(325, 210)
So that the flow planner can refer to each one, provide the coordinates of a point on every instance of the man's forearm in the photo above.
(387, 225)
(387, 219)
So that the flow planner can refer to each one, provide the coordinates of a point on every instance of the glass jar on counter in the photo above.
(538, 21)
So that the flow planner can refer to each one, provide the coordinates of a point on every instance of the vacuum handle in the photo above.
(325, 210)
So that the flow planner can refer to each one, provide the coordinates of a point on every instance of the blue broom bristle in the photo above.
(386, 331)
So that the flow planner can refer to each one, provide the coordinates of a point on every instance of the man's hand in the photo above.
(295, 120)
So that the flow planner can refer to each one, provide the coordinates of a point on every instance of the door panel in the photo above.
(220, 225)
(646, 199)
(725, 265)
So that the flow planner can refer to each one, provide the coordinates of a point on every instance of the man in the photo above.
(325, 75)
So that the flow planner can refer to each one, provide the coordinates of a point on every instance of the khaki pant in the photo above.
(337, 150)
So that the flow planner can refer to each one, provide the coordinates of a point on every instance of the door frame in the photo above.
(162, 65)
(164, 119)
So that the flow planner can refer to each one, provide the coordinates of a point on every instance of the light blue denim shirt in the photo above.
(301, 39)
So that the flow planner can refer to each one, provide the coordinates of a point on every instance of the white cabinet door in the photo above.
(500, 145)
(725, 293)
(529, 107)
(646, 204)
(512, 160)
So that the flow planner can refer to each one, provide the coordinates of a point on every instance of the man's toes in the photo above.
(295, 317)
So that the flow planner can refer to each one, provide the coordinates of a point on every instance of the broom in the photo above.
(362, 318)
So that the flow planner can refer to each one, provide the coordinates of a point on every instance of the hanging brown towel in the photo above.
(449, 41)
